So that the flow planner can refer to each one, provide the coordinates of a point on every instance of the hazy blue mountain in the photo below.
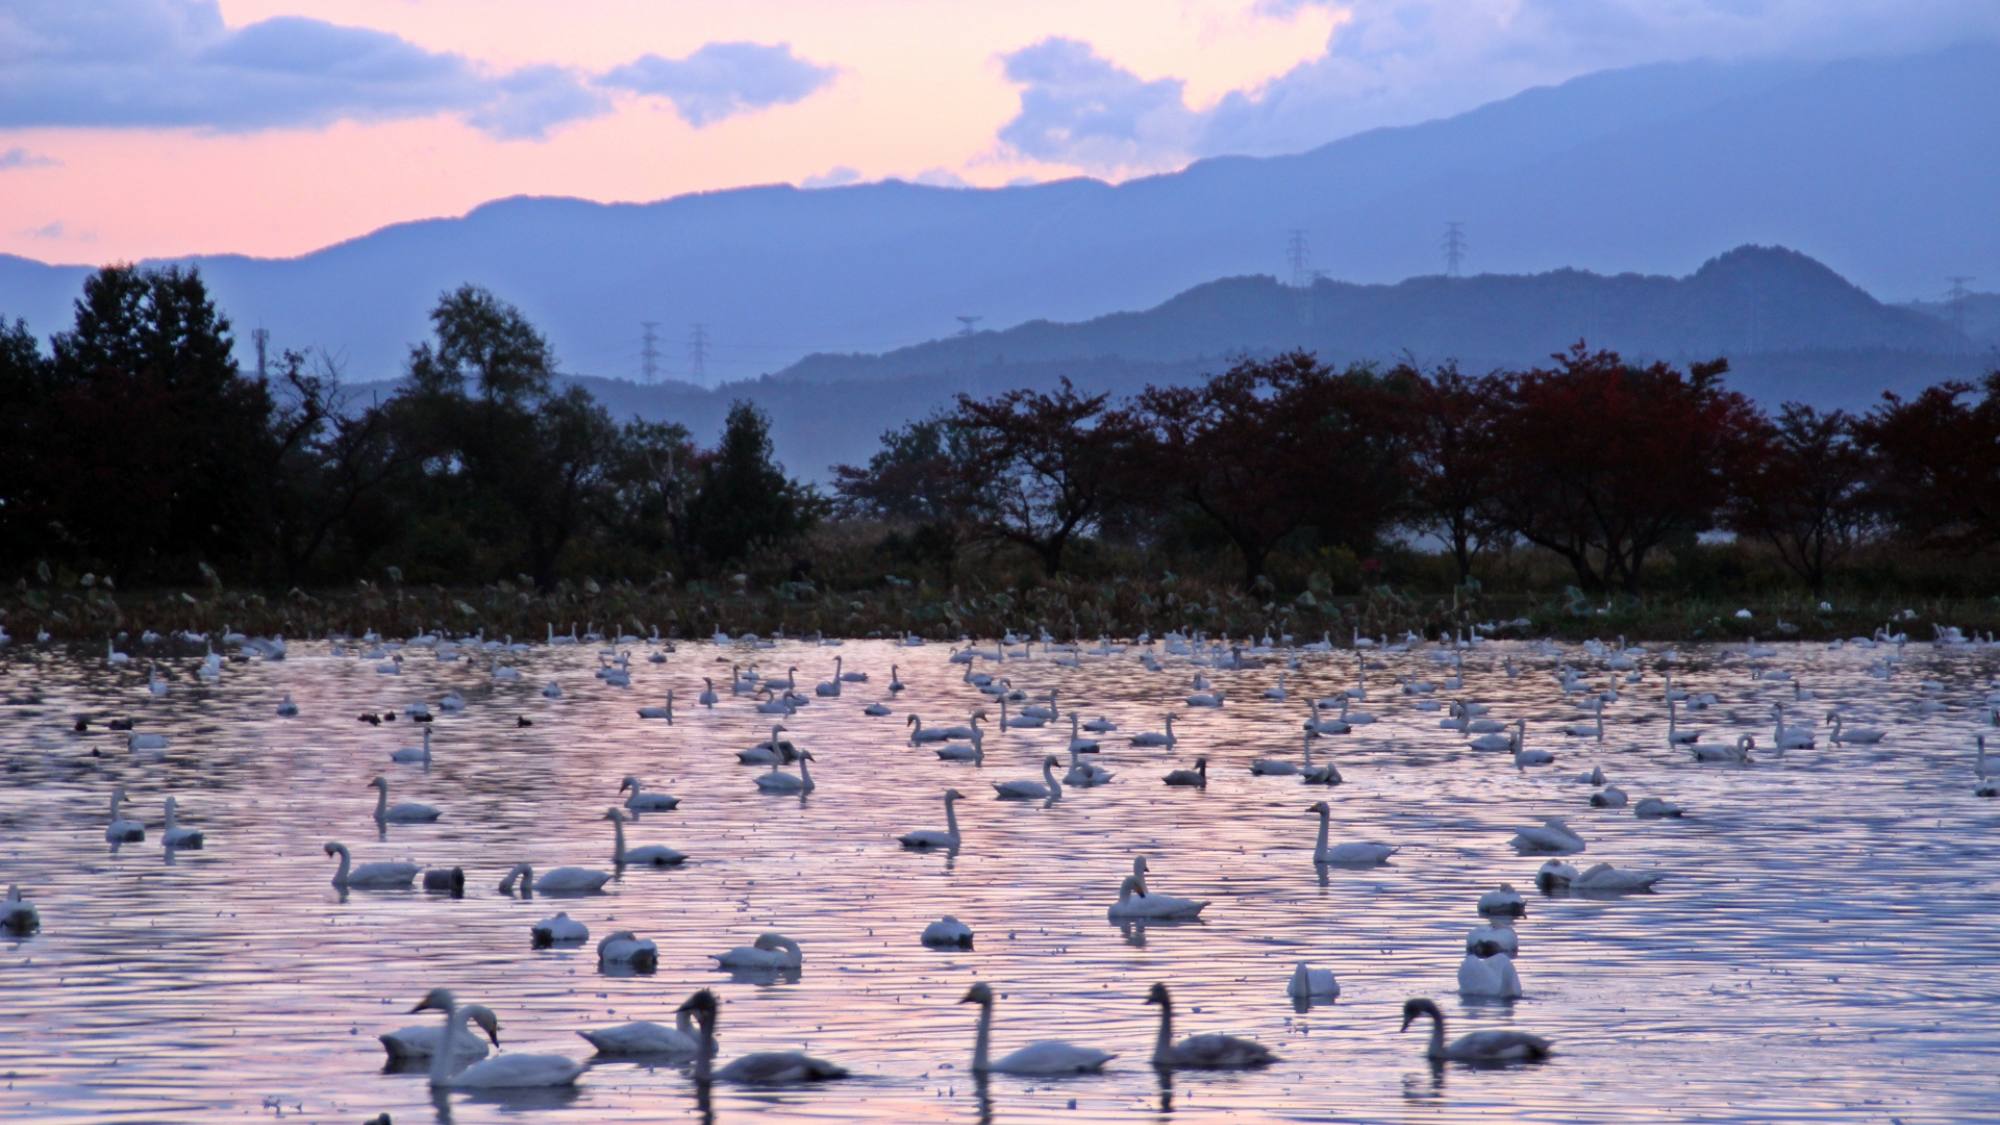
(1882, 168)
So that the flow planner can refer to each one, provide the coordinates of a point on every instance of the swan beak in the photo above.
(1406, 1021)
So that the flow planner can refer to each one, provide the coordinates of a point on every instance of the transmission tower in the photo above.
(1454, 247)
(698, 352)
(1298, 252)
(262, 338)
(649, 351)
(1956, 296)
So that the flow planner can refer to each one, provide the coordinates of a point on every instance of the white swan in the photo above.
(947, 932)
(650, 855)
(136, 741)
(408, 812)
(1552, 836)
(1328, 774)
(1201, 1052)
(1723, 752)
(1153, 737)
(552, 690)
(561, 881)
(1592, 729)
(771, 951)
(1205, 699)
(1494, 977)
(1277, 693)
(707, 698)
(1600, 879)
(1047, 1058)
(561, 929)
(121, 830)
(414, 753)
(1308, 983)
(1100, 725)
(1196, 777)
(974, 751)
(630, 950)
(1022, 722)
(511, 1071)
(759, 1068)
(664, 711)
(1084, 775)
(1675, 735)
(1609, 797)
(925, 838)
(1277, 767)
(178, 838)
(769, 752)
(1654, 808)
(1496, 936)
(1135, 902)
(644, 1037)
(1317, 725)
(390, 875)
(1048, 788)
(1490, 1048)
(1789, 738)
(1505, 902)
(420, 1041)
(1860, 735)
(642, 801)
(1345, 855)
(778, 781)
(1493, 743)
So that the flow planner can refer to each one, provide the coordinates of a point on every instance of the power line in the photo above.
(649, 351)
(1454, 246)
(698, 352)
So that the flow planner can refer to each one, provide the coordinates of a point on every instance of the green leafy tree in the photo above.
(745, 501)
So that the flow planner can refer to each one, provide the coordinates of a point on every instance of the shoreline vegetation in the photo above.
(1591, 496)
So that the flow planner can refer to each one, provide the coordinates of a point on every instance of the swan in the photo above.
(121, 830)
(1862, 735)
(558, 930)
(1675, 735)
(771, 950)
(1552, 836)
(172, 837)
(778, 781)
(1045, 713)
(1328, 774)
(1344, 855)
(896, 683)
(1025, 722)
(115, 658)
(931, 838)
(414, 753)
(1201, 1052)
(1277, 693)
(408, 812)
(642, 801)
(1048, 787)
(628, 949)
(1609, 797)
(511, 1071)
(1592, 729)
(1594, 777)
(769, 752)
(1723, 752)
(948, 931)
(1653, 808)
(1135, 903)
(561, 881)
(1100, 725)
(1492, 977)
(1600, 879)
(1506, 902)
(1047, 1058)
(286, 708)
(552, 690)
(1789, 738)
(1317, 725)
(665, 711)
(644, 1037)
(1205, 699)
(1196, 777)
(877, 710)
(1308, 983)
(17, 915)
(1276, 767)
(1084, 774)
(1153, 737)
(1354, 718)
(1491, 1048)
(391, 875)
(974, 751)
(1523, 758)
(1496, 936)
(651, 855)
(1494, 742)
(419, 1042)
(707, 698)
(830, 689)
(760, 1068)
(919, 735)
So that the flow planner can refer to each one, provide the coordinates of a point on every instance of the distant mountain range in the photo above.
(1877, 166)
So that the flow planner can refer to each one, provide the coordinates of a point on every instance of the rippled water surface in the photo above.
(1824, 950)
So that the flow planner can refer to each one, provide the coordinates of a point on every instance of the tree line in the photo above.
(133, 445)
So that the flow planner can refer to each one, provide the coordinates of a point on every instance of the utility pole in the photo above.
(649, 351)
(262, 338)
(1454, 246)
(698, 352)
(1956, 296)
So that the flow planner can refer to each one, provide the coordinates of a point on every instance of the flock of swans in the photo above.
(1595, 681)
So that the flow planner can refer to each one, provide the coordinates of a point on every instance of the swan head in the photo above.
(1158, 995)
(614, 814)
(1138, 865)
(1050, 762)
(701, 1006)
(334, 847)
(1320, 808)
(487, 1021)
(381, 783)
(953, 795)
(1419, 1007)
(436, 1000)
(978, 994)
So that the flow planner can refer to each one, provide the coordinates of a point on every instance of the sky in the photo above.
(145, 128)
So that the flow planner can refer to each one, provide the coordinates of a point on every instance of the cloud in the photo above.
(174, 63)
(722, 80)
(1390, 62)
(838, 176)
(47, 230)
(18, 157)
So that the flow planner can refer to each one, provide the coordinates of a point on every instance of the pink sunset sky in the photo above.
(136, 128)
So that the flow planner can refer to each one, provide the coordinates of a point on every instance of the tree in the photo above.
(1937, 462)
(1049, 463)
(24, 426)
(484, 340)
(921, 478)
(1803, 491)
(745, 501)
(1602, 462)
(1453, 450)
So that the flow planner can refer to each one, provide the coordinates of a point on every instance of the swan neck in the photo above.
(1437, 1035)
(381, 801)
(951, 819)
(618, 830)
(346, 862)
(982, 1039)
(1325, 820)
(1163, 1046)
(441, 1058)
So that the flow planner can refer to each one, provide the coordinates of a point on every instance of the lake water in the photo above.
(1825, 949)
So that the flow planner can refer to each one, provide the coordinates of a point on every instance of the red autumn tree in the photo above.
(1802, 492)
(1937, 464)
(1452, 460)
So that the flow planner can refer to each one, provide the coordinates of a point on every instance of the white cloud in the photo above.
(18, 157)
(838, 176)
(724, 79)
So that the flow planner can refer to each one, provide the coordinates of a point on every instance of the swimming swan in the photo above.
(1135, 903)
(511, 1071)
(930, 837)
(1047, 1058)
(772, 951)
(121, 830)
(18, 916)
(558, 930)
(1153, 737)
(1492, 976)
(644, 1037)
(641, 801)
(1600, 879)
(1308, 983)
(561, 881)
(1552, 836)
(760, 1068)
(778, 781)
(1047, 788)
(420, 1041)
(408, 812)
(414, 753)
(1345, 855)
(1489, 1048)
(947, 932)
(628, 949)
(651, 855)
(1201, 1052)
(1196, 777)
(172, 837)
(370, 876)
